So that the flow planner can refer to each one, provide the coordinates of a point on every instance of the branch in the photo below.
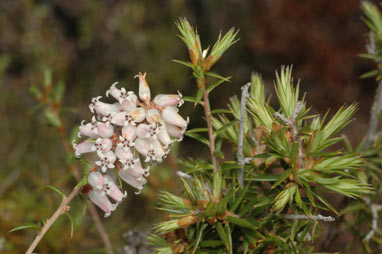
(312, 217)
(370, 136)
(240, 155)
(375, 208)
(207, 112)
(49, 222)
(292, 124)
(377, 104)
(375, 111)
(92, 209)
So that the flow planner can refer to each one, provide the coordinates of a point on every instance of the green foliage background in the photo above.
(90, 44)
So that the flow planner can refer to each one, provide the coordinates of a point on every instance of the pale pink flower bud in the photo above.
(131, 180)
(139, 114)
(128, 137)
(122, 119)
(128, 132)
(159, 152)
(102, 145)
(107, 160)
(153, 116)
(174, 131)
(151, 148)
(95, 179)
(164, 137)
(143, 131)
(101, 200)
(105, 130)
(112, 189)
(127, 159)
(137, 170)
(102, 108)
(123, 154)
(87, 130)
(163, 100)
(143, 146)
(130, 103)
(170, 115)
(84, 147)
(115, 92)
(144, 90)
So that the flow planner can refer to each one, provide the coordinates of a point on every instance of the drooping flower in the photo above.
(123, 133)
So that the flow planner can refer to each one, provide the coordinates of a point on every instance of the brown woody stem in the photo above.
(211, 136)
(60, 210)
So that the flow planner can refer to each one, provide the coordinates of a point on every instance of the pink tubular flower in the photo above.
(127, 134)
(101, 200)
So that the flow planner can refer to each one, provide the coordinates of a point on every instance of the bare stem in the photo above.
(312, 217)
(92, 209)
(375, 208)
(211, 136)
(60, 210)
(240, 148)
(101, 230)
(292, 124)
(375, 111)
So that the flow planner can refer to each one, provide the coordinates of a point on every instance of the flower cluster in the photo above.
(123, 132)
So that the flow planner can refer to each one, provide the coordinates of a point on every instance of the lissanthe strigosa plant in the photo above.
(271, 198)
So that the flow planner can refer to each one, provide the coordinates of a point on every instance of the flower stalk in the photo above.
(49, 222)
(53, 105)
(211, 135)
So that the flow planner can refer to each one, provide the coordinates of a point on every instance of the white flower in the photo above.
(123, 132)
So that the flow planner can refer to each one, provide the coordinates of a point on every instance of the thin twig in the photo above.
(240, 148)
(312, 217)
(92, 209)
(375, 111)
(377, 104)
(292, 124)
(49, 222)
(207, 112)
(375, 208)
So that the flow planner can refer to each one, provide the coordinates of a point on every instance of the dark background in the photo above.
(90, 44)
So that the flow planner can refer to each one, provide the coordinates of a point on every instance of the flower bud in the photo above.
(163, 100)
(129, 132)
(131, 180)
(174, 131)
(142, 146)
(153, 116)
(101, 200)
(102, 145)
(138, 115)
(123, 154)
(143, 131)
(122, 119)
(112, 189)
(130, 103)
(115, 92)
(103, 108)
(95, 179)
(172, 117)
(105, 130)
(84, 147)
(144, 90)
(107, 160)
(164, 137)
(87, 130)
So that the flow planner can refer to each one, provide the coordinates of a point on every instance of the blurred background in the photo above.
(88, 45)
